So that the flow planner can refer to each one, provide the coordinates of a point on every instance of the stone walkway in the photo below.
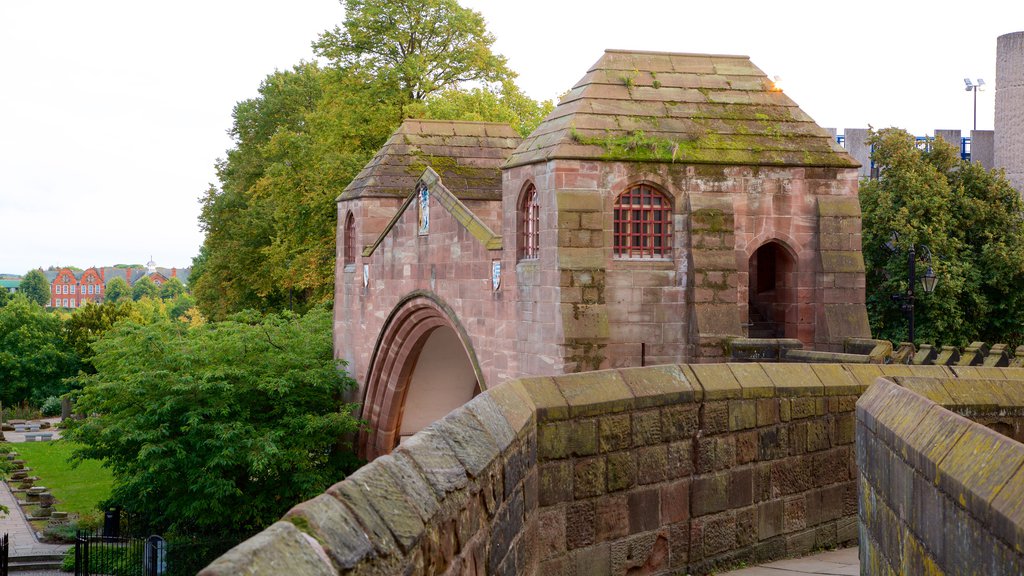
(22, 536)
(842, 562)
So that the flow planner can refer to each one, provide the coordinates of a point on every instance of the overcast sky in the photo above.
(113, 112)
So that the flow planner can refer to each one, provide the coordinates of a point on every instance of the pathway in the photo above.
(23, 539)
(843, 562)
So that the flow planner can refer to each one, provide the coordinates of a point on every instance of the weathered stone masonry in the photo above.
(661, 470)
(941, 493)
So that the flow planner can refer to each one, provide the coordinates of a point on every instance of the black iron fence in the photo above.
(118, 554)
(4, 552)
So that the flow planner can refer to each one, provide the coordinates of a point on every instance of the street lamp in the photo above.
(928, 282)
(974, 88)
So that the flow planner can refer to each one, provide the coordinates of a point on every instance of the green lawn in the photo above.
(76, 489)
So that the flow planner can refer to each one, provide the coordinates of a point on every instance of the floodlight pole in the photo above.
(975, 90)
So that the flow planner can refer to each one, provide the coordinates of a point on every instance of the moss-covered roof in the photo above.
(684, 108)
(467, 155)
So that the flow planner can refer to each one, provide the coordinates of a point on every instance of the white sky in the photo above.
(113, 112)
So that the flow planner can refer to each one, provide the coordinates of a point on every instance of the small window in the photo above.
(642, 224)
(529, 225)
(350, 239)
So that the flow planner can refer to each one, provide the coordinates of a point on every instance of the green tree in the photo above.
(36, 288)
(117, 290)
(507, 104)
(270, 224)
(5, 296)
(89, 323)
(171, 289)
(422, 45)
(35, 356)
(971, 220)
(145, 288)
(217, 428)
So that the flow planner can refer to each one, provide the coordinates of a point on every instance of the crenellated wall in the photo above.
(941, 476)
(663, 470)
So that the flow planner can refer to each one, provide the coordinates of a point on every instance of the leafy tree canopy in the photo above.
(423, 45)
(145, 288)
(117, 290)
(35, 356)
(90, 322)
(971, 220)
(36, 288)
(171, 289)
(270, 223)
(221, 427)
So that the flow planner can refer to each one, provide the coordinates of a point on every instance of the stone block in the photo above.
(578, 201)
(594, 560)
(838, 206)
(715, 419)
(717, 381)
(644, 509)
(658, 385)
(279, 549)
(709, 494)
(768, 411)
(580, 525)
(469, 440)
(675, 502)
(550, 533)
(747, 447)
(794, 380)
(977, 467)
(836, 380)
(652, 464)
(584, 321)
(612, 515)
(489, 413)
(741, 487)
(326, 519)
(646, 428)
(514, 403)
(680, 459)
(770, 518)
(622, 470)
(680, 421)
(545, 396)
(742, 414)
(646, 553)
(753, 380)
(615, 432)
(434, 457)
(595, 393)
(555, 483)
(589, 477)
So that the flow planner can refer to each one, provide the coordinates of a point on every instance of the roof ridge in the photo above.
(664, 53)
(438, 121)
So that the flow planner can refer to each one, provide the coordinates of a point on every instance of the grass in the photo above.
(77, 489)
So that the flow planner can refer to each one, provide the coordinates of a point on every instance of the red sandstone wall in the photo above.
(448, 263)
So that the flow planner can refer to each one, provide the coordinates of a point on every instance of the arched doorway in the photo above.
(772, 306)
(422, 368)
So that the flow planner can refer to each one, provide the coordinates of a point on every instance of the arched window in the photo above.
(642, 224)
(350, 239)
(529, 225)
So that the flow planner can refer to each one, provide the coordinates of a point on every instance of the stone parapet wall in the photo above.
(660, 470)
(939, 493)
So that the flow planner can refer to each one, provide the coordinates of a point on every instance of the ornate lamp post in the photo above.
(928, 281)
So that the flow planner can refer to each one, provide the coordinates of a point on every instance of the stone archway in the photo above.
(772, 306)
(422, 368)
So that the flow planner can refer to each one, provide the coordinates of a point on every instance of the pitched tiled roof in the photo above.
(684, 108)
(467, 155)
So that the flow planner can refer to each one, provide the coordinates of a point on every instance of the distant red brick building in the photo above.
(670, 203)
(71, 288)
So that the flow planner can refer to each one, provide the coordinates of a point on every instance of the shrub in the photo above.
(51, 407)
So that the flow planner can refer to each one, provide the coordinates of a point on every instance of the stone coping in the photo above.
(484, 454)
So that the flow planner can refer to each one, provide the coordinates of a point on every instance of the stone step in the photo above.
(35, 563)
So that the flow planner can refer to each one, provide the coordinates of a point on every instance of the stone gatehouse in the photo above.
(669, 203)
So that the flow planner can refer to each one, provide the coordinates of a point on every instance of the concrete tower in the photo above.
(1009, 119)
